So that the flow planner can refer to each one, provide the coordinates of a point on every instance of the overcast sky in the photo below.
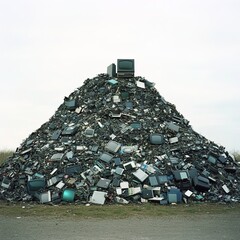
(189, 48)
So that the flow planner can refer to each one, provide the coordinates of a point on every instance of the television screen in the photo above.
(156, 138)
(162, 179)
(68, 195)
(36, 185)
(153, 181)
(125, 67)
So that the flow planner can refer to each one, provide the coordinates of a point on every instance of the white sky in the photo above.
(189, 48)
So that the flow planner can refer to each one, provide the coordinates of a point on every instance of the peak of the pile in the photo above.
(115, 139)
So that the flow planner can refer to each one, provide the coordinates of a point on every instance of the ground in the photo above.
(180, 227)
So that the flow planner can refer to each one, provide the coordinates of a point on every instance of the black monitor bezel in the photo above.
(125, 72)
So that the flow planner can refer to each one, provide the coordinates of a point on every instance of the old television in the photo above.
(68, 195)
(125, 68)
(35, 185)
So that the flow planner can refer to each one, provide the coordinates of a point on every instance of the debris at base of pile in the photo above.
(117, 140)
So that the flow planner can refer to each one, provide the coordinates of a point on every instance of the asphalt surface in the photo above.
(219, 226)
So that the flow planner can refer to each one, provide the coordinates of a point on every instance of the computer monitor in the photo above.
(68, 195)
(35, 185)
(125, 68)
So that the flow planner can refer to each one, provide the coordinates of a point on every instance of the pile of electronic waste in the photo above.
(117, 140)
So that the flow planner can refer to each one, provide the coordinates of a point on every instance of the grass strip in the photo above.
(114, 211)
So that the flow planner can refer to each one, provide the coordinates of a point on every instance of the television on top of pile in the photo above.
(125, 68)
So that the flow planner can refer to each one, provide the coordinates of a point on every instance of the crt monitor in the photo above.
(35, 185)
(125, 67)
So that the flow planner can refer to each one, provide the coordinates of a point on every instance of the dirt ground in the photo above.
(215, 226)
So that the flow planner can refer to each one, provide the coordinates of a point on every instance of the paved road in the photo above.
(203, 227)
